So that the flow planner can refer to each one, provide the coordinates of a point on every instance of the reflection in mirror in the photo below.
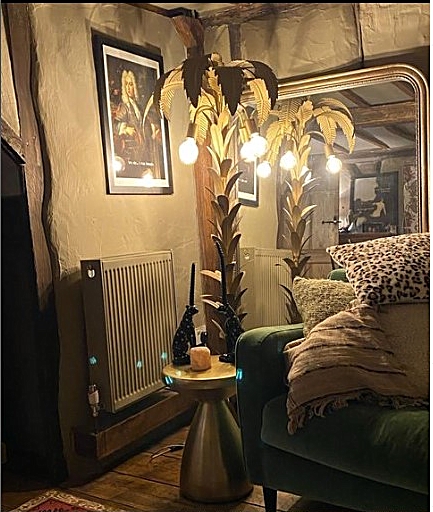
(382, 188)
(380, 191)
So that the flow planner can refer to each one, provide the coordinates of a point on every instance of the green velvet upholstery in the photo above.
(338, 274)
(362, 457)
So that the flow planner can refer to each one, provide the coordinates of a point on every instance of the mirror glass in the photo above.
(382, 188)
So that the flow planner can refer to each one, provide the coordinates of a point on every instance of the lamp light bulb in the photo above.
(263, 169)
(259, 143)
(288, 160)
(188, 151)
(333, 164)
(247, 151)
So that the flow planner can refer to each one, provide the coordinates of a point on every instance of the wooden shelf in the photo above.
(111, 439)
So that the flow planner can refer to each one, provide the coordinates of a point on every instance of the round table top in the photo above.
(218, 375)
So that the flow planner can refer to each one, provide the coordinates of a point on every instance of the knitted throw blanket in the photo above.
(345, 357)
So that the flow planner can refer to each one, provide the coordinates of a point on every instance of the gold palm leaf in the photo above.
(261, 97)
(332, 102)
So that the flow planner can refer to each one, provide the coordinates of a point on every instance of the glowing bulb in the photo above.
(188, 151)
(263, 169)
(247, 152)
(333, 164)
(259, 143)
(288, 161)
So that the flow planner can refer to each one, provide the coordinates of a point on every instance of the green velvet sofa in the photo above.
(363, 457)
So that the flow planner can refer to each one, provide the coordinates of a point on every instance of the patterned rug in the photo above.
(58, 501)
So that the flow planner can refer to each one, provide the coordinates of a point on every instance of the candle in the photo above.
(200, 358)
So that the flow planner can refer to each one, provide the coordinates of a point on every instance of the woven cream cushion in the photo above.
(407, 327)
(317, 299)
(387, 270)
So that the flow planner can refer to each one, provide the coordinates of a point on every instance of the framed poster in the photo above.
(248, 184)
(135, 138)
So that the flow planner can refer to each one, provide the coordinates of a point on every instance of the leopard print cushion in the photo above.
(387, 270)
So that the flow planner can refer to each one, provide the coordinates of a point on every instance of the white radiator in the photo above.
(130, 317)
(264, 300)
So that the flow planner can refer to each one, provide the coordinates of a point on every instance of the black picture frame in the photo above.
(135, 137)
(248, 184)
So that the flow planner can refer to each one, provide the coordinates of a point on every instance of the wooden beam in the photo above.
(191, 32)
(241, 13)
(382, 115)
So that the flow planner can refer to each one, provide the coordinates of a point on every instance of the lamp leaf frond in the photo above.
(224, 119)
(333, 103)
(217, 141)
(308, 210)
(228, 136)
(261, 97)
(232, 246)
(231, 80)
(217, 210)
(193, 71)
(262, 70)
(303, 157)
(217, 182)
(346, 125)
(305, 111)
(169, 79)
(233, 213)
(215, 157)
(328, 127)
(224, 204)
(231, 183)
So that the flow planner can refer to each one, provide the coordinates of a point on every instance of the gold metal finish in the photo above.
(212, 469)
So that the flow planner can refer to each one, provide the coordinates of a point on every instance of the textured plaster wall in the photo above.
(8, 100)
(84, 221)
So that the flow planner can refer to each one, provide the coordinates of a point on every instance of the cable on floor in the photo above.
(167, 449)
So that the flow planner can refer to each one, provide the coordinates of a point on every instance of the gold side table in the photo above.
(212, 468)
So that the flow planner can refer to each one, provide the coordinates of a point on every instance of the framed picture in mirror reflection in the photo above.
(374, 203)
(248, 184)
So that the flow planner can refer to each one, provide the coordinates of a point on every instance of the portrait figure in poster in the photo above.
(137, 138)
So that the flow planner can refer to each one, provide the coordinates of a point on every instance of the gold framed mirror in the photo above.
(383, 186)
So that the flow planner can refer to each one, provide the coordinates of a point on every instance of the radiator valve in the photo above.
(93, 398)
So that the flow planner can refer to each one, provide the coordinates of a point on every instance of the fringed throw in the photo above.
(346, 357)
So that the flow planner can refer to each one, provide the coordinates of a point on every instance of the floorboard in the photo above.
(149, 482)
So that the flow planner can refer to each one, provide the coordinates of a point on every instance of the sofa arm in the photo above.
(260, 376)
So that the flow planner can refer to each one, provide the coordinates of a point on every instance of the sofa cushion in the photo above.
(317, 299)
(345, 357)
(378, 443)
(407, 328)
(389, 269)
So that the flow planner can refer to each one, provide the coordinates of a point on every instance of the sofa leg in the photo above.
(270, 497)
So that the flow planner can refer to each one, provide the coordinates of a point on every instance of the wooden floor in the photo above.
(149, 482)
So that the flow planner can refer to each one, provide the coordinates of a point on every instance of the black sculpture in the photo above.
(232, 325)
(185, 333)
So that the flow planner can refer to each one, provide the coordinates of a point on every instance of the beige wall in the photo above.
(85, 222)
